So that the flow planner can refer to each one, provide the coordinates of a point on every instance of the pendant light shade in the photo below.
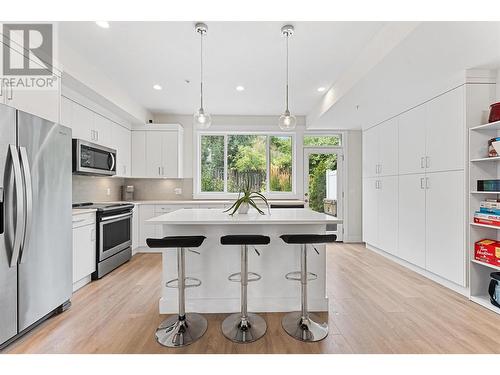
(201, 119)
(287, 121)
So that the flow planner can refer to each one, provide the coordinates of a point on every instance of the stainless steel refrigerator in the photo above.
(35, 221)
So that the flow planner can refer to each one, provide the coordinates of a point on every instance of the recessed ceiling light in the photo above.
(103, 24)
(321, 89)
(240, 88)
(157, 87)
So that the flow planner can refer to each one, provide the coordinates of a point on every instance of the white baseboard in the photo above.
(352, 239)
(438, 279)
(230, 305)
(81, 283)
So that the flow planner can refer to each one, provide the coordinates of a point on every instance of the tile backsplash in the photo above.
(95, 189)
(107, 189)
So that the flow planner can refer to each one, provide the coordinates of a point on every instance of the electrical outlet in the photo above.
(178, 191)
(108, 192)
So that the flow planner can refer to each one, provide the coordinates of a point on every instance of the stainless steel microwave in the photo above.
(93, 159)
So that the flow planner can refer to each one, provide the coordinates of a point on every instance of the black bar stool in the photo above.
(183, 329)
(303, 325)
(244, 327)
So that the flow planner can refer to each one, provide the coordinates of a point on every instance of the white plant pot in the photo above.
(243, 209)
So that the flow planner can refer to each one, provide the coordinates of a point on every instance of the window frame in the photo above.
(225, 194)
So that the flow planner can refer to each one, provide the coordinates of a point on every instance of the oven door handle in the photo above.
(107, 218)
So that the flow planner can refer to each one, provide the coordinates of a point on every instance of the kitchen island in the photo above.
(216, 262)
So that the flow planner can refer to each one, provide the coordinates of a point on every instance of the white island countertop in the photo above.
(207, 216)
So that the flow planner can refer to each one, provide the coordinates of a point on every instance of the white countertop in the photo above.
(81, 211)
(194, 201)
(207, 216)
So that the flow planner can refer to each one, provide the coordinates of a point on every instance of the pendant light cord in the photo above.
(201, 69)
(287, 35)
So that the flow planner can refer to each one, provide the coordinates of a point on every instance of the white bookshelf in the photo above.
(481, 167)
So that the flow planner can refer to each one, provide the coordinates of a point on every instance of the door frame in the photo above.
(339, 151)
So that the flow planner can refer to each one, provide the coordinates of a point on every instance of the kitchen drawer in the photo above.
(81, 220)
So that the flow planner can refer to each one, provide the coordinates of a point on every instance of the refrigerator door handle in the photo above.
(28, 194)
(20, 222)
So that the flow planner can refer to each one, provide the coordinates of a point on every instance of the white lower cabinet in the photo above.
(444, 225)
(84, 249)
(411, 223)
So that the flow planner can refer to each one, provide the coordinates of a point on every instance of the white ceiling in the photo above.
(136, 55)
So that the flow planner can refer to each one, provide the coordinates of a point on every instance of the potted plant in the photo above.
(246, 200)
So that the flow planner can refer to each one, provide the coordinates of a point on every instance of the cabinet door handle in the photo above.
(427, 162)
(422, 183)
(9, 97)
(427, 185)
(1, 88)
(159, 171)
(422, 163)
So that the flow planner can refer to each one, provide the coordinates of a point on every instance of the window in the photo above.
(228, 162)
(322, 140)
(212, 163)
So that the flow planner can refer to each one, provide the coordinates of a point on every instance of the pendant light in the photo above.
(202, 120)
(287, 121)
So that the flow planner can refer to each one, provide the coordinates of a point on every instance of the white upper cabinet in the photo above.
(380, 149)
(445, 134)
(82, 122)
(121, 141)
(388, 148)
(411, 155)
(157, 151)
(153, 154)
(42, 102)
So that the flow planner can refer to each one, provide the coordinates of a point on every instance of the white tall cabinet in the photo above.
(428, 145)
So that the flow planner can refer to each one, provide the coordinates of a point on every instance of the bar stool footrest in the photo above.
(236, 277)
(296, 276)
(190, 282)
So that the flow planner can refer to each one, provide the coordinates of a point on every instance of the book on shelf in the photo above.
(487, 251)
(486, 219)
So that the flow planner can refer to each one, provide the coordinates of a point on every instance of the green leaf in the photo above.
(252, 203)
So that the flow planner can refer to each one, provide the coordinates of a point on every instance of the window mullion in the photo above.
(225, 163)
(268, 164)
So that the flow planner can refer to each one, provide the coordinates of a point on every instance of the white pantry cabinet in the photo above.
(432, 135)
(445, 135)
(411, 138)
(411, 222)
(445, 226)
(380, 212)
(380, 149)
(84, 248)
(370, 210)
(157, 151)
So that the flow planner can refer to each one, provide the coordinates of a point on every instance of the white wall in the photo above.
(76, 66)
(353, 188)
(431, 60)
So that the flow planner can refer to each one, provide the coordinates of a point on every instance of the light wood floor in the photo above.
(376, 306)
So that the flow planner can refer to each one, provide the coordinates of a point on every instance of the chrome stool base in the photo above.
(308, 329)
(174, 332)
(237, 330)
